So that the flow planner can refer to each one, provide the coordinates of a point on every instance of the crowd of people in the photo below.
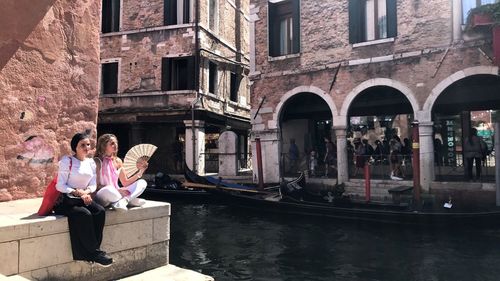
(394, 152)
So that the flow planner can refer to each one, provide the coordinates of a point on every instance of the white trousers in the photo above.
(109, 194)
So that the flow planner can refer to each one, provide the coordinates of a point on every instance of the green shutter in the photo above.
(392, 18)
(166, 66)
(271, 29)
(191, 73)
(355, 21)
(296, 26)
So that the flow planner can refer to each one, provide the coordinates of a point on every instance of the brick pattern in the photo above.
(412, 58)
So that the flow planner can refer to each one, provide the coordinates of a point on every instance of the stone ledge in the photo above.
(39, 248)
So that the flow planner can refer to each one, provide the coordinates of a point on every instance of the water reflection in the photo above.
(231, 244)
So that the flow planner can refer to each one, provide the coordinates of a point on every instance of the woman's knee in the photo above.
(142, 184)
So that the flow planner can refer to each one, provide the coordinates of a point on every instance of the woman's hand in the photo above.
(78, 192)
(142, 164)
(87, 199)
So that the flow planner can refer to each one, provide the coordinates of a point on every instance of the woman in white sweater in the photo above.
(77, 181)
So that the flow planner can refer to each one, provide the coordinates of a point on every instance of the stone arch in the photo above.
(405, 90)
(303, 89)
(441, 86)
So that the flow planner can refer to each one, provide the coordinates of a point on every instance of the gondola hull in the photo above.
(358, 211)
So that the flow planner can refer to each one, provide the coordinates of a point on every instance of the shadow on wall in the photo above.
(19, 18)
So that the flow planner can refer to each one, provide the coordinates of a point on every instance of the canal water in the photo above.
(231, 244)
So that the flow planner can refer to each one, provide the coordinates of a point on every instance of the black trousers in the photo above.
(469, 167)
(86, 224)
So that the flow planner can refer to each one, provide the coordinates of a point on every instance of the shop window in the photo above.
(212, 78)
(177, 74)
(109, 78)
(110, 16)
(372, 20)
(176, 12)
(284, 28)
(467, 5)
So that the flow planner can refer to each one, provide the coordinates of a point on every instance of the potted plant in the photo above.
(488, 14)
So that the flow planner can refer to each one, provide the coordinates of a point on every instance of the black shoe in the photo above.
(103, 260)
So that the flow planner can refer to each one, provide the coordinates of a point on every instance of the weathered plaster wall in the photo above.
(49, 66)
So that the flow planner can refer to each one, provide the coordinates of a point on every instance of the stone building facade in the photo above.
(174, 73)
(317, 64)
(49, 69)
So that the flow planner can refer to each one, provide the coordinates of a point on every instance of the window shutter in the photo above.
(113, 79)
(271, 26)
(106, 16)
(166, 76)
(191, 75)
(355, 21)
(296, 26)
(170, 12)
(116, 15)
(186, 12)
(392, 18)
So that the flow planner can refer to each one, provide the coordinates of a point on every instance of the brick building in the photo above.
(171, 69)
(367, 69)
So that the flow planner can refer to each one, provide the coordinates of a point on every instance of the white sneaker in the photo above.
(120, 205)
(136, 202)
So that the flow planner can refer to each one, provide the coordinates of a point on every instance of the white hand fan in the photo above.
(136, 153)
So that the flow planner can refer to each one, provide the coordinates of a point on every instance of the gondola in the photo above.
(209, 181)
(165, 187)
(292, 198)
(352, 210)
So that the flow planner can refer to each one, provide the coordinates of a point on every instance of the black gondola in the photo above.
(207, 181)
(292, 198)
(171, 189)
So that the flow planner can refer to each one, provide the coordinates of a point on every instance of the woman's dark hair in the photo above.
(76, 139)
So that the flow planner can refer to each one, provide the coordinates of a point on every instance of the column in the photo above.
(270, 155)
(342, 161)
(426, 135)
(195, 145)
(228, 161)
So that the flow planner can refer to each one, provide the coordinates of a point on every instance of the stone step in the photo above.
(169, 273)
(13, 278)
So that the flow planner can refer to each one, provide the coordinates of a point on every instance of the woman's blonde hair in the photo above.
(102, 142)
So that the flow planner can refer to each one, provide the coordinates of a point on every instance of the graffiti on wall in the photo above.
(35, 151)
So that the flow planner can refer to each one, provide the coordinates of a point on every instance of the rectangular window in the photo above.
(234, 86)
(109, 78)
(212, 14)
(467, 5)
(284, 28)
(372, 20)
(110, 16)
(212, 78)
(176, 12)
(177, 74)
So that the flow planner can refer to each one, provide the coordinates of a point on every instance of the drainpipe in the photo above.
(196, 78)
